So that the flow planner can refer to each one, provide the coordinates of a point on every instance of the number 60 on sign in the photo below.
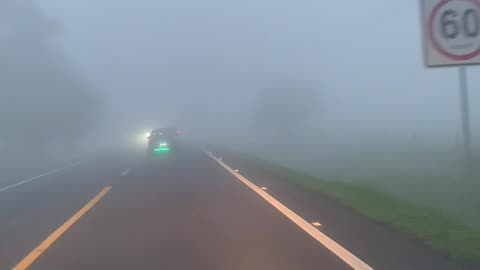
(451, 32)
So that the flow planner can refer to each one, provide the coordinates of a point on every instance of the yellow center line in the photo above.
(40, 249)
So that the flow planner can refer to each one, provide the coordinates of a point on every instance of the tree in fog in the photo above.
(283, 110)
(43, 99)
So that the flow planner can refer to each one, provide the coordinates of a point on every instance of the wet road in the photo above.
(186, 210)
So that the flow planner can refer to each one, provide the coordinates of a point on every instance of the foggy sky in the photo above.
(207, 61)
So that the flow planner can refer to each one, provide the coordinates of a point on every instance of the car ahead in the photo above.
(163, 140)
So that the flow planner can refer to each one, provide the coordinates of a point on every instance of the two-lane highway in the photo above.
(186, 210)
(180, 211)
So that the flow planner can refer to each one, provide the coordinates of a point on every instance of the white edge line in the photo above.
(38, 176)
(334, 247)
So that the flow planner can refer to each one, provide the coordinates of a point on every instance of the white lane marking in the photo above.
(263, 188)
(125, 172)
(334, 247)
(38, 176)
(316, 224)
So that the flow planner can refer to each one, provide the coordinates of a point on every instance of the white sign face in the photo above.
(451, 32)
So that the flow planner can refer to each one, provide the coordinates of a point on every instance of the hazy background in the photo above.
(205, 63)
(338, 90)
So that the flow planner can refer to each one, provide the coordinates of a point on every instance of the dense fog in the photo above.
(336, 89)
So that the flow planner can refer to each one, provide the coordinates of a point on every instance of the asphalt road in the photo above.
(187, 211)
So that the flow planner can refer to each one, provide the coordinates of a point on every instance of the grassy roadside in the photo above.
(437, 230)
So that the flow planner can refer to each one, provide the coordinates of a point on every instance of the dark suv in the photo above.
(163, 140)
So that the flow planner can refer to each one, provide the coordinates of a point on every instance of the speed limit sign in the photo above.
(451, 35)
(451, 31)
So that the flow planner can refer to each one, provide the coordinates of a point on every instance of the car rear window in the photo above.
(165, 132)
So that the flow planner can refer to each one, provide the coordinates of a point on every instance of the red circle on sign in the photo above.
(437, 45)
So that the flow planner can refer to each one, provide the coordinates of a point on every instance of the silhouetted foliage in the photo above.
(43, 99)
(285, 108)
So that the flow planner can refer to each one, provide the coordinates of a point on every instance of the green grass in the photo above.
(438, 230)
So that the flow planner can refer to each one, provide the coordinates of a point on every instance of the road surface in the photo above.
(188, 211)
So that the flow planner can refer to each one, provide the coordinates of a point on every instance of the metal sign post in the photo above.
(467, 137)
(451, 35)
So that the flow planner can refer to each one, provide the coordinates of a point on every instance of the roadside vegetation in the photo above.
(455, 233)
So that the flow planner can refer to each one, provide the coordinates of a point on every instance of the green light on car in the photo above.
(161, 149)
